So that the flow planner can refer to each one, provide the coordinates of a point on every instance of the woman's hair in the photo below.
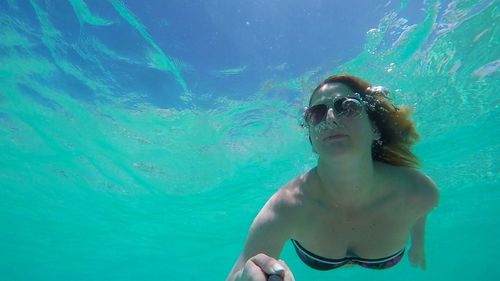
(397, 130)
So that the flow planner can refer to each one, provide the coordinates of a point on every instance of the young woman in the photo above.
(361, 202)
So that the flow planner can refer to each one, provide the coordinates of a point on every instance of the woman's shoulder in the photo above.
(289, 199)
(291, 194)
(420, 189)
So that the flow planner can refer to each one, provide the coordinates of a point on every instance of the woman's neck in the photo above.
(347, 184)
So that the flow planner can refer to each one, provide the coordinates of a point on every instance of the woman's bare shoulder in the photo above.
(421, 190)
(289, 199)
(282, 211)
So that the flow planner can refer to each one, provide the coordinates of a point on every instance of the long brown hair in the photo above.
(396, 128)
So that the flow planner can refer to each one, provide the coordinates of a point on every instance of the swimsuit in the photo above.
(321, 263)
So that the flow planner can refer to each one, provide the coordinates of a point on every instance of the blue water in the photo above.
(139, 139)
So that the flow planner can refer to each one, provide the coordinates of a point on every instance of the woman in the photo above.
(360, 203)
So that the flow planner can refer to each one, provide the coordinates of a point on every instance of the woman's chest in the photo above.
(369, 233)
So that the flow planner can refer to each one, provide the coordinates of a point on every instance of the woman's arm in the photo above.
(427, 198)
(264, 242)
(417, 249)
(417, 233)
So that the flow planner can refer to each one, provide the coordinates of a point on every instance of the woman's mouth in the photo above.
(334, 137)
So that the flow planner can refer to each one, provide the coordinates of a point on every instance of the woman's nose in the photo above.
(329, 115)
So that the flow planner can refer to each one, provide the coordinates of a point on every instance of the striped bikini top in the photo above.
(321, 263)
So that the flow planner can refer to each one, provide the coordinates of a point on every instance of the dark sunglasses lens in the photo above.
(348, 107)
(316, 113)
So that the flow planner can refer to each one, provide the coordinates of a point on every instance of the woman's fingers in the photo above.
(252, 272)
(288, 273)
(264, 268)
(268, 264)
(417, 258)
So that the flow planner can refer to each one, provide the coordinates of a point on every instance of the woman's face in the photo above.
(336, 135)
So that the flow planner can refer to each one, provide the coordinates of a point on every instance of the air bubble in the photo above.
(390, 67)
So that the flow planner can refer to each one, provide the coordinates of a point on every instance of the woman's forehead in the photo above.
(330, 90)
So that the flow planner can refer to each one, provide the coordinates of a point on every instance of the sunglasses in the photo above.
(343, 107)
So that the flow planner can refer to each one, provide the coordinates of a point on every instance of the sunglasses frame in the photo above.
(306, 123)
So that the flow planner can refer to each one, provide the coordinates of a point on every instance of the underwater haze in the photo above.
(139, 139)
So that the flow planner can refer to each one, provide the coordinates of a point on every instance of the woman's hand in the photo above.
(417, 257)
(261, 266)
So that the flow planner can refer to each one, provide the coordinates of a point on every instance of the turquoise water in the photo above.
(123, 157)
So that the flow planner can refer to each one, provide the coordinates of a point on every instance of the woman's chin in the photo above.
(334, 151)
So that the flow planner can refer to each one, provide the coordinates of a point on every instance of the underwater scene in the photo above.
(139, 139)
